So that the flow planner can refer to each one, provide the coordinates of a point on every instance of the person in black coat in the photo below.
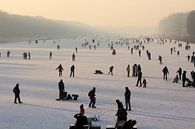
(60, 69)
(16, 91)
(81, 121)
(61, 89)
(92, 95)
(129, 124)
(139, 79)
(179, 71)
(184, 78)
(72, 68)
(127, 98)
(111, 70)
(165, 72)
(121, 115)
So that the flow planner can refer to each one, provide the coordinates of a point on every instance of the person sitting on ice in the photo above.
(81, 119)
(129, 124)
(175, 80)
(121, 115)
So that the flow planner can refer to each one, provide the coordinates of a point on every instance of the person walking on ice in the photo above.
(72, 68)
(128, 70)
(111, 70)
(16, 91)
(165, 73)
(60, 69)
(127, 98)
(92, 98)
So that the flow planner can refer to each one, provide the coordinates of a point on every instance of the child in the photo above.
(144, 83)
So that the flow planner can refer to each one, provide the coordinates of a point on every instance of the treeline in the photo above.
(25, 27)
(179, 26)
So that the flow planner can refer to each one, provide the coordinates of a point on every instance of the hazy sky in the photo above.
(112, 13)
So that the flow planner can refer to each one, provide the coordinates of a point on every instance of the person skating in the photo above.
(128, 70)
(61, 90)
(139, 78)
(165, 73)
(144, 83)
(179, 71)
(184, 78)
(72, 71)
(92, 97)
(50, 55)
(81, 119)
(73, 57)
(121, 116)
(127, 98)
(60, 69)
(111, 70)
(16, 91)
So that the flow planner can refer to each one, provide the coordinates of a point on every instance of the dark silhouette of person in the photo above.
(179, 71)
(139, 78)
(50, 55)
(188, 58)
(171, 51)
(139, 53)
(128, 70)
(144, 83)
(16, 91)
(61, 89)
(160, 59)
(177, 53)
(127, 98)
(134, 74)
(184, 78)
(8, 54)
(119, 103)
(72, 68)
(111, 70)
(165, 72)
(73, 57)
(121, 116)
(129, 124)
(76, 49)
(131, 50)
(92, 98)
(60, 69)
(81, 120)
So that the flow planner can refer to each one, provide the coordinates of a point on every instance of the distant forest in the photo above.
(179, 26)
(16, 27)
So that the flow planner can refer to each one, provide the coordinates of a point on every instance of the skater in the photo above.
(179, 71)
(144, 83)
(61, 90)
(139, 53)
(8, 54)
(121, 117)
(111, 70)
(60, 69)
(184, 78)
(139, 79)
(132, 51)
(129, 124)
(176, 79)
(134, 70)
(160, 59)
(72, 68)
(171, 51)
(50, 55)
(128, 70)
(188, 58)
(73, 57)
(92, 95)
(165, 72)
(177, 53)
(16, 91)
(81, 119)
(127, 98)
